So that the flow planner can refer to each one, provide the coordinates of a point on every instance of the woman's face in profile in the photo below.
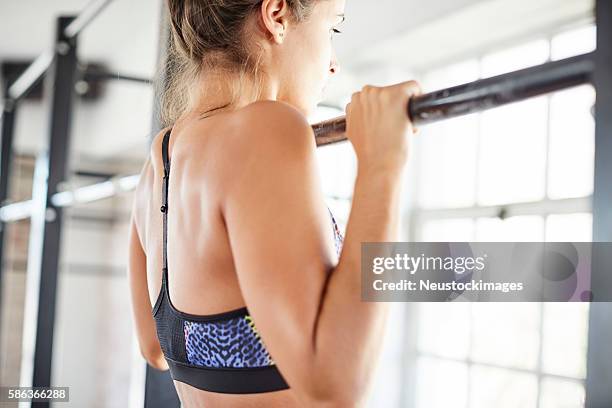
(309, 58)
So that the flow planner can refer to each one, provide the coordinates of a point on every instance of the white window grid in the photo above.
(546, 207)
(340, 199)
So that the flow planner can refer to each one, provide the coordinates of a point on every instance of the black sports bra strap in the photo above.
(164, 207)
(165, 144)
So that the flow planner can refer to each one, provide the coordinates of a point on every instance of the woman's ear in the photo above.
(275, 18)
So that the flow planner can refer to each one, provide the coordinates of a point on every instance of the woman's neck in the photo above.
(228, 92)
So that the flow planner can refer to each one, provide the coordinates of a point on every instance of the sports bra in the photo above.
(220, 352)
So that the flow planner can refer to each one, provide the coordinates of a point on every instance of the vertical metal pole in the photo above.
(8, 129)
(45, 235)
(599, 358)
(159, 388)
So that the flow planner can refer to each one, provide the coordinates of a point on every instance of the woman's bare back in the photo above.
(202, 276)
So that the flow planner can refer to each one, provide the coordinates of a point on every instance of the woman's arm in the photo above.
(137, 276)
(308, 310)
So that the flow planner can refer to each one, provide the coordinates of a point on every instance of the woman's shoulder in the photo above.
(262, 141)
(263, 135)
(273, 125)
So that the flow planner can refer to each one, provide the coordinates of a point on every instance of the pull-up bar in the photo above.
(481, 95)
(428, 108)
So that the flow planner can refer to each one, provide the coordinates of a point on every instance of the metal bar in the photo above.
(89, 13)
(159, 390)
(94, 174)
(30, 312)
(599, 361)
(8, 130)
(37, 69)
(46, 230)
(447, 103)
(81, 195)
(481, 95)
(40, 65)
(28, 79)
(16, 211)
(94, 192)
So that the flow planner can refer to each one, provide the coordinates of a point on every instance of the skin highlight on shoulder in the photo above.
(265, 140)
(276, 125)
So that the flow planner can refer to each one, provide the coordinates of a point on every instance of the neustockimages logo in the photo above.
(411, 264)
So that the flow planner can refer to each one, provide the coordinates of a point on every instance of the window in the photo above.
(534, 159)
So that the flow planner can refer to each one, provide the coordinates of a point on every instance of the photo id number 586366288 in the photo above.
(34, 394)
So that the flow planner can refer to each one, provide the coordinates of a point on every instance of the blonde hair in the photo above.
(211, 35)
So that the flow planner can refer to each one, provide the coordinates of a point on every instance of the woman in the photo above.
(236, 286)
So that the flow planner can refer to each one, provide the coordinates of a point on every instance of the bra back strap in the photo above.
(164, 207)
(165, 143)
